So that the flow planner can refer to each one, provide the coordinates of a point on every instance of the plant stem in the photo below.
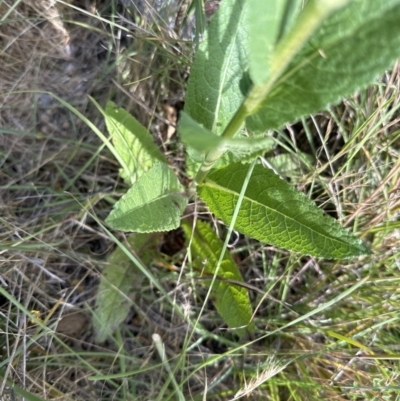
(212, 156)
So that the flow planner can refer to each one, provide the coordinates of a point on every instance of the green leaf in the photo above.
(202, 140)
(200, 17)
(155, 202)
(133, 143)
(113, 300)
(274, 212)
(218, 82)
(267, 21)
(231, 300)
(290, 165)
(346, 53)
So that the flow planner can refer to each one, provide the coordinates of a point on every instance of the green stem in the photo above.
(212, 156)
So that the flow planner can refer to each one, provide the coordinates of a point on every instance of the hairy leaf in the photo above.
(113, 300)
(132, 141)
(347, 52)
(218, 82)
(155, 202)
(274, 212)
(231, 300)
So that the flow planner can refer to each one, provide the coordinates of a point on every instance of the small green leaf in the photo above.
(113, 300)
(132, 141)
(346, 53)
(290, 165)
(155, 202)
(194, 135)
(202, 140)
(231, 300)
(274, 212)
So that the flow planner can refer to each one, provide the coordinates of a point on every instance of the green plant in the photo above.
(260, 65)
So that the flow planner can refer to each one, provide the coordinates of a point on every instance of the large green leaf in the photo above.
(155, 202)
(132, 142)
(230, 299)
(217, 82)
(347, 52)
(113, 300)
(274, 212)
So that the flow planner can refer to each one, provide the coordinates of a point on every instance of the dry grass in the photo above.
(57, 183)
